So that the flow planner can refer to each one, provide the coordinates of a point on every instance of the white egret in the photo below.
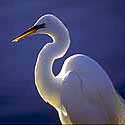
(82, 92)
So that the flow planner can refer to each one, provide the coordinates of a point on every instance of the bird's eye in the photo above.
(40, 26)
(43, 25)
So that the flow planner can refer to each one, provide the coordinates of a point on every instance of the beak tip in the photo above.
(14, 40)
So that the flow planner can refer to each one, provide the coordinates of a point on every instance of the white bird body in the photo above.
(87, 92)
(82, 92)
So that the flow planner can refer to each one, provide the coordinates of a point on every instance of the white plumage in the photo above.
(82, 92)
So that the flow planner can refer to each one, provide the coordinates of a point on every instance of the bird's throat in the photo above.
(47, 84)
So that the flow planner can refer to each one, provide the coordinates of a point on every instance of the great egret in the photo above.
(82, 92)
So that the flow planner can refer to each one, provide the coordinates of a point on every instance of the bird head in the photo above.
(47, 24)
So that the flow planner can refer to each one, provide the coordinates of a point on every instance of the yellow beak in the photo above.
(23, 35)
(28, 32)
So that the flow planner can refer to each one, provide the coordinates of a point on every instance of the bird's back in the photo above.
(95, 99)
(88, 69)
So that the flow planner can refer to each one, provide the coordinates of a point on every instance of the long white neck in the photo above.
(47, 84)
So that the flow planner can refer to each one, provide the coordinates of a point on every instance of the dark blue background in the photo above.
(97, 29)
